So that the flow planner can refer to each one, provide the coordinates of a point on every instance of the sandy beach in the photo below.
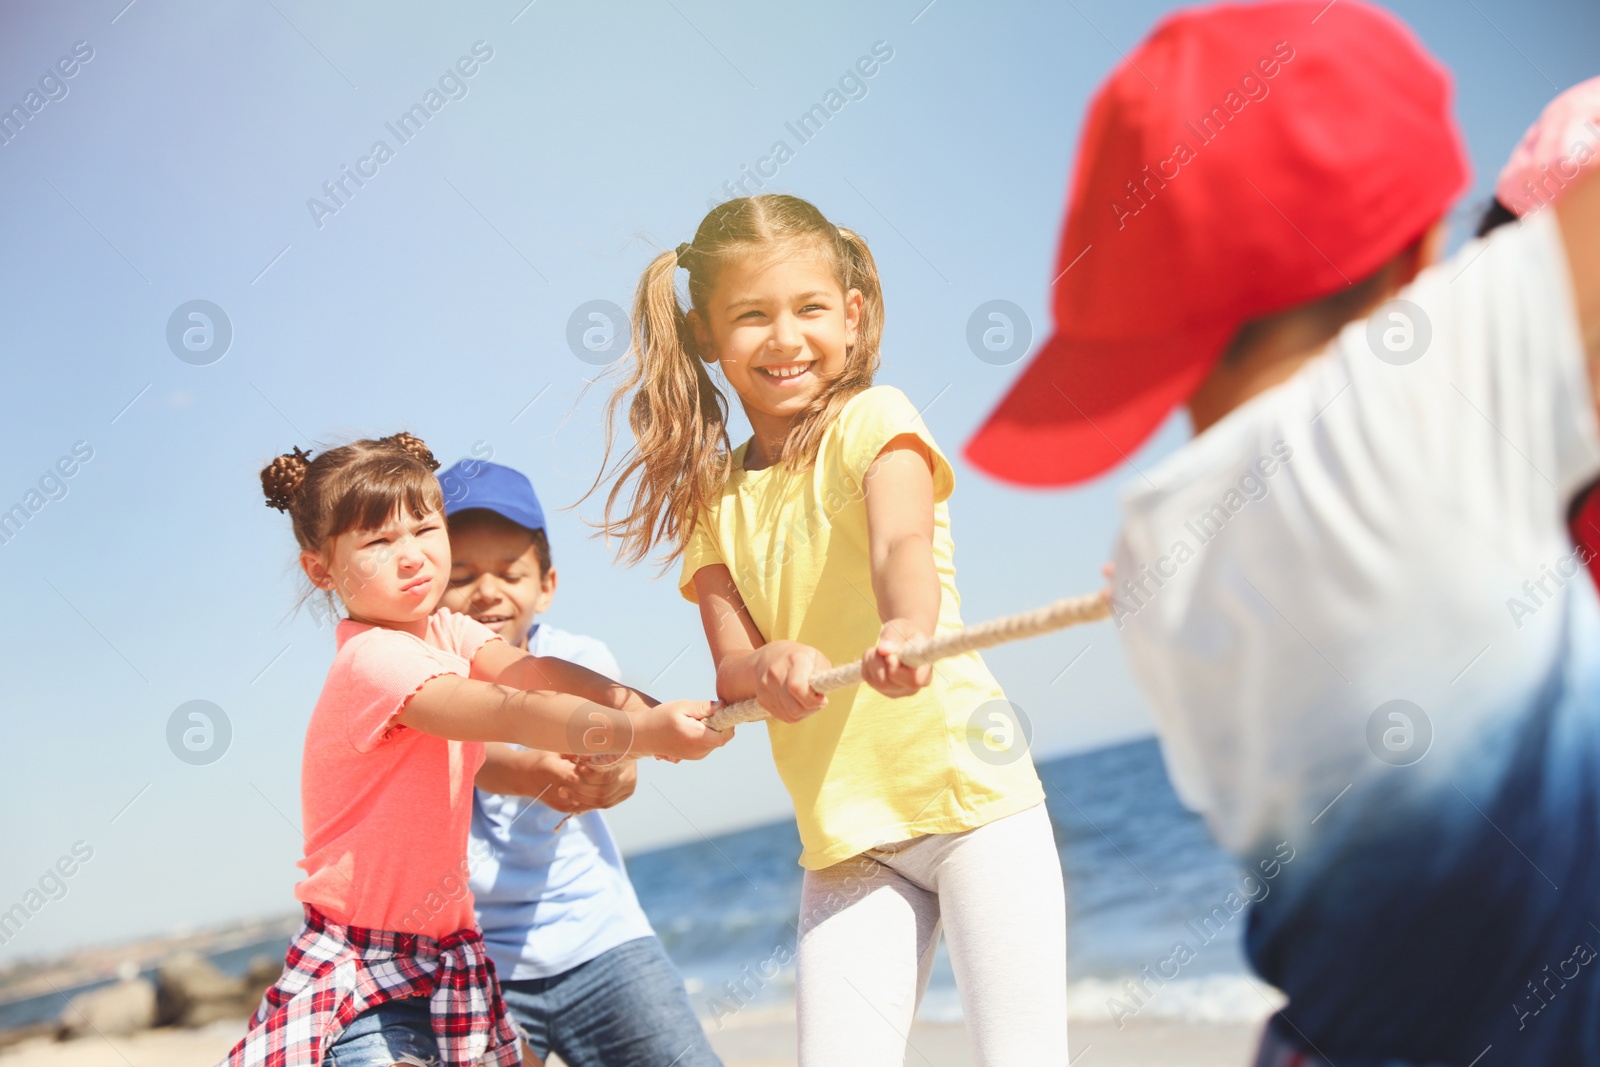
(767, 1041)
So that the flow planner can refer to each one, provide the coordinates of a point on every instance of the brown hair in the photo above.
(1323, 318)
(679, 418)
(358, 486)
(541, 548)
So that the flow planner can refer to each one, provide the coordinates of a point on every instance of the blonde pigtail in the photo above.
(861, 271)
(679, 420)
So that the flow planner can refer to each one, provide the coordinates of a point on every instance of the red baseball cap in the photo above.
(1242, 160)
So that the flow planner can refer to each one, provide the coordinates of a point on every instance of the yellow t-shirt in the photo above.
(866, 770)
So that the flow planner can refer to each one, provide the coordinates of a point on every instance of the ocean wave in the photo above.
(1229, 997)
(1212, 998)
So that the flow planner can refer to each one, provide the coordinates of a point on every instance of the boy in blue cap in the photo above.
(583, 973)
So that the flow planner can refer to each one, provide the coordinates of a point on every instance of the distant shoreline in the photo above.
(35, 977)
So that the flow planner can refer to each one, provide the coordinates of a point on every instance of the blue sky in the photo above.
(178, 166)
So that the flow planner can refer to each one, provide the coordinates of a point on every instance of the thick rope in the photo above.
(1057, 616)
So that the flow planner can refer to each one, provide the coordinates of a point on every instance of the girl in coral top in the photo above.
(824, 534)
(390, 966)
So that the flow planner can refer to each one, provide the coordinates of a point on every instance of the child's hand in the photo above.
(592, 784)
(881, 667)
(784, 671)
(569, 784)
(676, 730)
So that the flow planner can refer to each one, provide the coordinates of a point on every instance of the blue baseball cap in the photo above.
(475, 483)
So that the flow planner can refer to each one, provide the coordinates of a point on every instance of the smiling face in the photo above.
(497, 575)
(391, 576)
(781, 328)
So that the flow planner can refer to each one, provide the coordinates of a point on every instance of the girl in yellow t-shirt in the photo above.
(824, 534)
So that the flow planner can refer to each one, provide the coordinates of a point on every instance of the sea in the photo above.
(1142, 878)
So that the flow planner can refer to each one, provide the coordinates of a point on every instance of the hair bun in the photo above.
(281, 479)
(413, 447)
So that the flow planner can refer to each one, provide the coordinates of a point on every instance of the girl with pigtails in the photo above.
(390, 967)
(828, 532)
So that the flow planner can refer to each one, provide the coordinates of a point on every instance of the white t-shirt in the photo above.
(1377, 530)
(1361, 533)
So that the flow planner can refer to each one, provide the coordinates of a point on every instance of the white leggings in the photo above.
(869, 926)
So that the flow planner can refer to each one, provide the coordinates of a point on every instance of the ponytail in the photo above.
(679, 420)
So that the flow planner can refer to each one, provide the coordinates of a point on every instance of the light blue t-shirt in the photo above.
(548, 899)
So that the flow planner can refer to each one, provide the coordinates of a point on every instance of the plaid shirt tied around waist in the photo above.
(333, 973)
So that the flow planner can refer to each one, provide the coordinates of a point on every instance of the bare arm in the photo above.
(557, 781)
(502, 664)
(1579, 214)
(465, 709)
(900, 541)
(778, 674)
(476, 709)
(524, 772)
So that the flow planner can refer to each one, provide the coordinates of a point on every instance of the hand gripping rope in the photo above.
(1057, 616)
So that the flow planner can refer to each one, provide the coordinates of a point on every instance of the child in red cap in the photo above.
(1337, 596)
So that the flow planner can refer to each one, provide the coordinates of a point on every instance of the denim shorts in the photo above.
(399, 1031)
(624, 1008)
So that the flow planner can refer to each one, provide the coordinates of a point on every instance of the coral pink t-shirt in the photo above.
(386, 808)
